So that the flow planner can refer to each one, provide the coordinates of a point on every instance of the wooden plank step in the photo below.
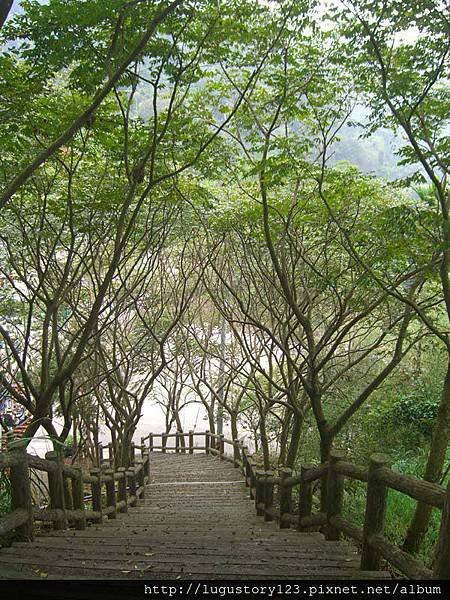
(196, 522)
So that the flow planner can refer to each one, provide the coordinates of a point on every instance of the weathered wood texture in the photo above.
(196, 522)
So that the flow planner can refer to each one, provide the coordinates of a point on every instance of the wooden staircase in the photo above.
(196, 522)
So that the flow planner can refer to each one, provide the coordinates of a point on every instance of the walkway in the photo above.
(196, 522)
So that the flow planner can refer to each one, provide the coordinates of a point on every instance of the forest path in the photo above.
(196, 522)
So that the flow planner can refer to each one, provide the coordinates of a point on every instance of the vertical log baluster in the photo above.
(442, 561)
(375, 514)
(19, 477)
(78, 498)
(252, 478)
(146, 466)
(111, 493)
(56, 489)
(131, 478)
(122, 489)
(96, 491)
(259, 493)
(236, 453)
(285, 498)
(305, 496)
(268, 496)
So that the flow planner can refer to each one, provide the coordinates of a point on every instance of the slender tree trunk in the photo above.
(326, 444)
(221, 379)
(74, 434)
(264, 442)
(176, 415)
(212, 421)
(433, 470)
(295, 440)
(284, 436)
(124, 439)
(5, 7)
(234, 426)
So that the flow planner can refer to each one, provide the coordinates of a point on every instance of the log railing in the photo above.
(378, 477)
(111, 490)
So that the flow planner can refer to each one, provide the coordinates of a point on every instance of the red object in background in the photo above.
(17, 432)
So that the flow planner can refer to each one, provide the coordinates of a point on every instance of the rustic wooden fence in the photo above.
(265, 486)
(108, 490)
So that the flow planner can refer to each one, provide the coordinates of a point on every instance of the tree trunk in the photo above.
(264, 442)
(5, 7)
(212, 421)
(234, 426)
(433, 470)
(326, 444)
(176, 415)
(284, 436)
(124, 440)
(295, 440)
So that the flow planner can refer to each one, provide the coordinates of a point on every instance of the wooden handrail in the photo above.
(261, 485)
(131, 486)
(66, 487)
(423, 491)
(376, 544)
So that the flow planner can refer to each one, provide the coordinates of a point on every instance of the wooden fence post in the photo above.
(236, 453)
(56, 489)
(285, 498)
(19, 476)
(140, 477)
(111, 493)
(143, 446)
(268, 496)
(78, 498)
(305, 497)
(335, 494)
(221, 446)
(191, 442)
(122, 489)
(177, 442)
(150, 442)
(442, 561)
(207, 442)
(252, 479)
(147, 465)
(376, 503)
(68, 500)
(131, 477)
(246, 465)
(163, 442)
(259, 494)
(96, 491)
